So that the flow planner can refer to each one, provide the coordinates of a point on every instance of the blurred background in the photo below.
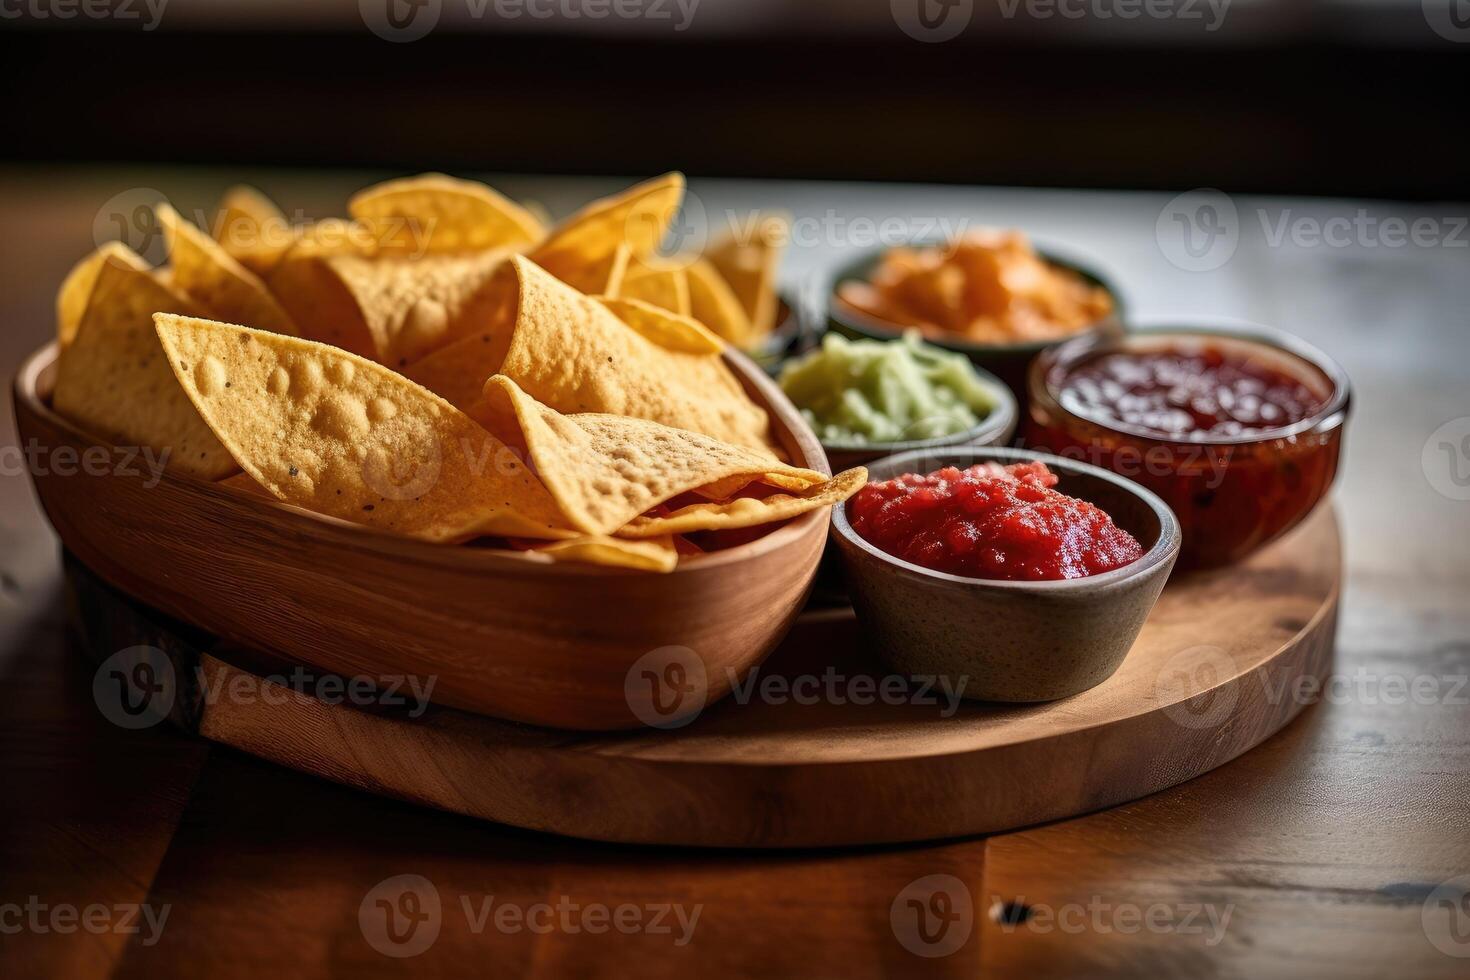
(1325, 97)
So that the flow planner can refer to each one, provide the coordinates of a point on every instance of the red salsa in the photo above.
(1190, 394)
(1239, 435)
(991, 521)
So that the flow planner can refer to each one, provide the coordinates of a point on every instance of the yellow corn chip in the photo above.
(114, 381)
(571, 353)
(712, 303)
(340, 435)
(411, 307)
(76, 288)
(252, 229)
(721, 490)
(457, 373)
(437, 213)
(649, 555)
(205, 272)
(313, 293)
(538, 211)
(664, 327)
(639, 216)
(617, 271)
(604, 275)
(750, 264)
(661, 283)
(605, 470)
(747, 511)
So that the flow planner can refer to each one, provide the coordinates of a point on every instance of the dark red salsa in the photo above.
(991, 521)
(1192, 394)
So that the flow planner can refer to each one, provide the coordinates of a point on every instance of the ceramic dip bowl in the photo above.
(1011, 641)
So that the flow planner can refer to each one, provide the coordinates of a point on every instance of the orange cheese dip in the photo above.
(987, 287)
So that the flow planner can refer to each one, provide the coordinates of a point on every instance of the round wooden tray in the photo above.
(1218, 668)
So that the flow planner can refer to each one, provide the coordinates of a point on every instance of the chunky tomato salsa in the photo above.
(991, 521)
(1193, 394)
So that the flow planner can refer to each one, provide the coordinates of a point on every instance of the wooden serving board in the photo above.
(1218, 668)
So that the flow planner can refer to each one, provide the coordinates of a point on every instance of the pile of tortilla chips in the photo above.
(443, 366)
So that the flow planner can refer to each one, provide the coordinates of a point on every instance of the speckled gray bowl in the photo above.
(1011, 641)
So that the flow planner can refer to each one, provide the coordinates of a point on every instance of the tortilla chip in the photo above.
(713, 303)
(114, 381)
(661, 283)
(605, 470)
(413, 307)
(750, 264)
(571, 353)
(664, 327)
(649, 555)
(639, 216)
(209, 276)
(252, 229)
(76, 288)
(616, 273)
(342, 436)
(314, 294)
(722, 490)
(457, 373)
(603, 276)
(435, 213)
(748, 511)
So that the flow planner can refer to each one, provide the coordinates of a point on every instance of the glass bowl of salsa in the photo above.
(1239, 430)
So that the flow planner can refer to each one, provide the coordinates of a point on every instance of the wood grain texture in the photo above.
(1212, 674)
(501, 633)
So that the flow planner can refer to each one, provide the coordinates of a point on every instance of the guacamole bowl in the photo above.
(867, 399)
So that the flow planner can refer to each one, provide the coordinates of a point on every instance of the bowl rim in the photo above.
(842, 315)
(27, 391)
(1161, 553)
(1332, 415)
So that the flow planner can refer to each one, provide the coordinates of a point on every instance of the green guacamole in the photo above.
(860, 392)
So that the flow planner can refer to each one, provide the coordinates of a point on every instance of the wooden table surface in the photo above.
(1338, 848)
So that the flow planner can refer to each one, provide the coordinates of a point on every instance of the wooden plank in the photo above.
(269, 869)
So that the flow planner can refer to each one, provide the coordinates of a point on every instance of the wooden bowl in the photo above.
(503, 634)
